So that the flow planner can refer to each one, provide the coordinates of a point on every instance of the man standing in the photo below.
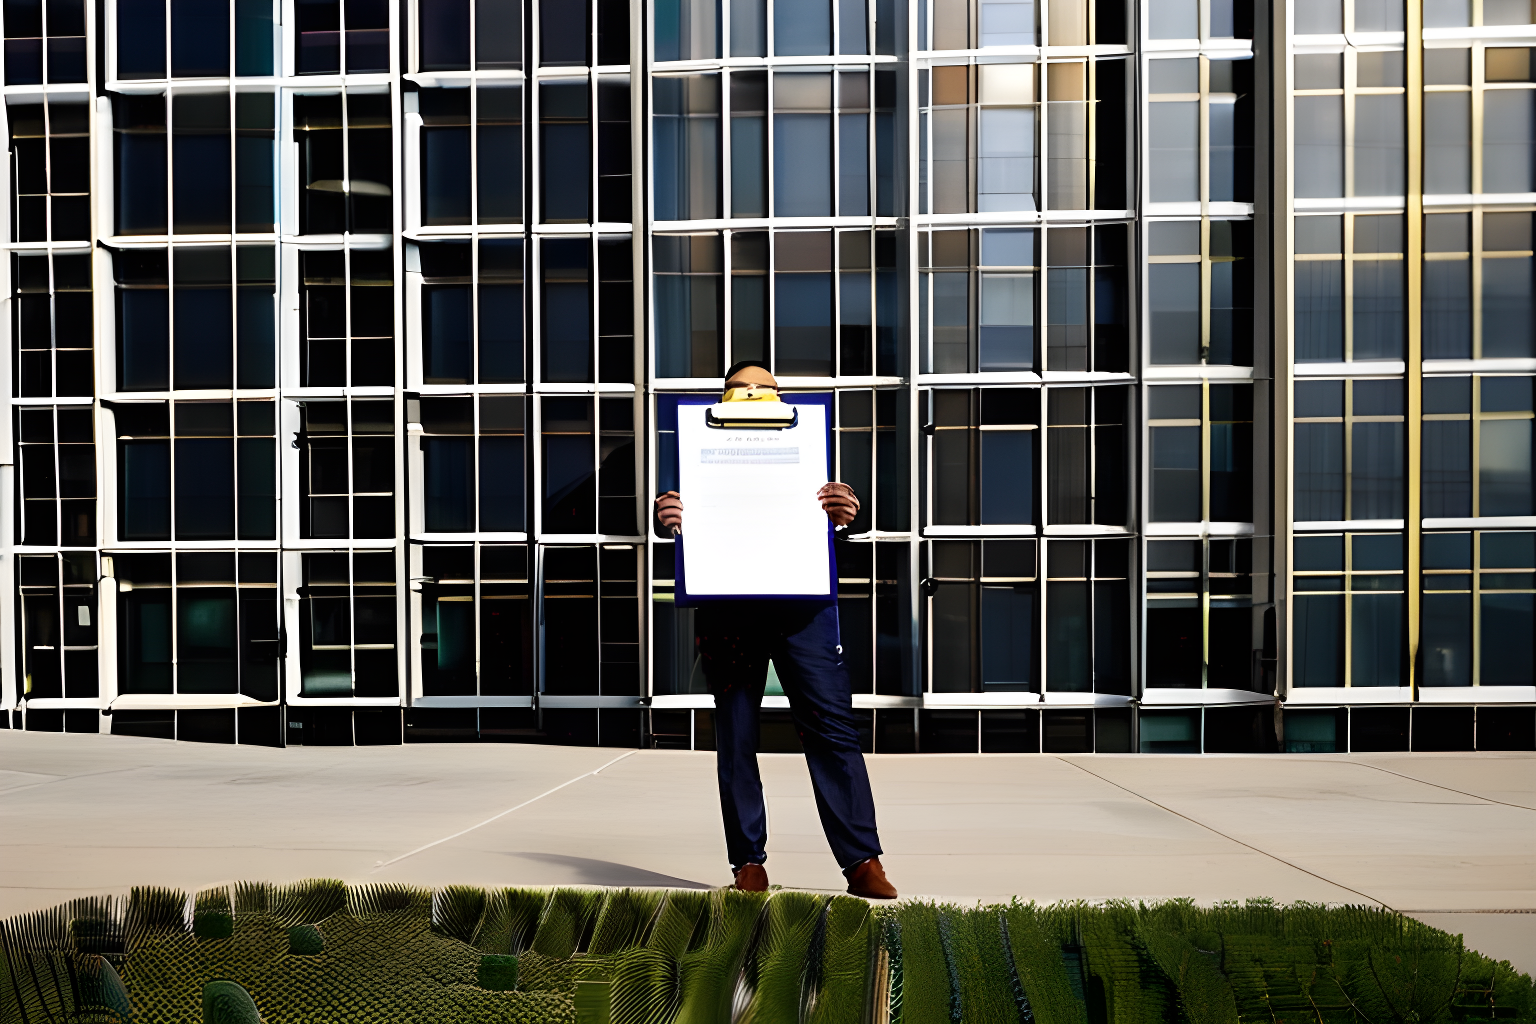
(736, 640)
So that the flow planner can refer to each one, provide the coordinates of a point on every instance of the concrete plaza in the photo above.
(1449, 838)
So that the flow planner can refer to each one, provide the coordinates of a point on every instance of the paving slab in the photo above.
(1450, 838)
(1471, 775)
(1395, 840)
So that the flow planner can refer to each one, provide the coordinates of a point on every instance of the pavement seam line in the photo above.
(1435, 785)
(1233, 839)
(54, 780)
(438, 842)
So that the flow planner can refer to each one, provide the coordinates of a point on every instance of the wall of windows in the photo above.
(978, 304)
(1200, 292)
(1477, 300)
(194, 162)
(475, 609)
(1181, 365)
(1439, 449)
(348, 625)
(197, 622)
(200, 38)
(347, 469)
(806, 303)
(1201, 624)
(1350, 610)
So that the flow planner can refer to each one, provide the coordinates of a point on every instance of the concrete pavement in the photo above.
(1450, 838)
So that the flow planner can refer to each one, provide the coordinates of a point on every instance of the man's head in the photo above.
(750, 374)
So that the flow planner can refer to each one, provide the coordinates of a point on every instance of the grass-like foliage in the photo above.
(225, 1002)
(320, 952)
(305, 940)
(498, 972)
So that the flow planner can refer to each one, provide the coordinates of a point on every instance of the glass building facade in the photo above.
(1181, 352)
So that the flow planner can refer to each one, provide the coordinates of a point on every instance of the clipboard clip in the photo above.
(752, 415)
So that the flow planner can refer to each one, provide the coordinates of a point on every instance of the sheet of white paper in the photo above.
(751, 521)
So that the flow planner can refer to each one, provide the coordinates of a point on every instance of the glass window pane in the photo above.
(1447, 638)
(146, 509)
(449, 478)
(802, 126)
(1504, 468)
(1319, 311)
(1447, 142)
(686, 131)
(1007, 329)
(1007, 476)
(803, 324)
(1378, 145)
(570, 491)
(1506, 639)
(687, 29)
(1005, 171)
(1067, 174)
(1319, 472)
(1319, 640)
(140, 40)
(802, 27)
(688, 305)
(1448, 309)
(1376, 471)
(1176, 490)
(1007, 23)
(1068, 663)
(1320, 146)
(1174, 132)
(853, 165)
(1174, 294)
(567, 147)
(498, 34)
(1231, 470)
(1007, 635)
(1447, 475)
(749, 28)
(443, 27)
(1376, 640)
(1509, 140)
(1379, 328)
(1175, 19)
(445, 173)
(1508, 324)
(205, 488)
(205, 641)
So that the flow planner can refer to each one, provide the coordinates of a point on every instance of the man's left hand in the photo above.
(839, 503)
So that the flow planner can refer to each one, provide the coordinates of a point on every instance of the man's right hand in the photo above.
(669, 511)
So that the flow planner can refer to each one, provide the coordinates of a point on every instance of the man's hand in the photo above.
(839, 503)
(669, 511)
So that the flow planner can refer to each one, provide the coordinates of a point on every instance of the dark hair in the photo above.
(738, 367)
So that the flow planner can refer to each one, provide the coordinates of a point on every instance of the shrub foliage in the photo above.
(321, 952)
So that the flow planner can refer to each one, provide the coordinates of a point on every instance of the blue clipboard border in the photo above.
(684, 600)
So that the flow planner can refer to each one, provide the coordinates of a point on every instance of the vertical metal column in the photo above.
(1413, 256)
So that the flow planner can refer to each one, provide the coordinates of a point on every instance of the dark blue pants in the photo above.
(736, 640)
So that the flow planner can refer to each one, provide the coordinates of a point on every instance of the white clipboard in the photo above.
(752, 526)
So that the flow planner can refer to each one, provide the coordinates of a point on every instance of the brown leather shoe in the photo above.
(868, 879)
(751, 878)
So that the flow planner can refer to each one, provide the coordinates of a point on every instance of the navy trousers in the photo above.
(736, 639)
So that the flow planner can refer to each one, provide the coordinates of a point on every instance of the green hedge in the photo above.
(320, 952)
